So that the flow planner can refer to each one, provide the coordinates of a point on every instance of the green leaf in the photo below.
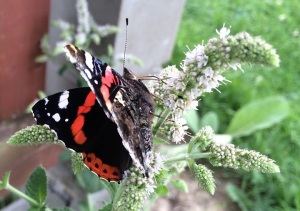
(29, 107)
(41, 94)
(95, 38)
(258, 114)
(36, 186)
(107, 207)
(89, 181)
(180, 185)
(193, 121)
(160, 141)
(238, 196)
(41, 59)
(162, 190)
(65, 156)
(5, 180)
(41, 208)
(210, 119)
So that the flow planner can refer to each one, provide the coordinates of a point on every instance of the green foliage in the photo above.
(88, 181)
(77, 164)
(131, 193)
(162, 190)
(41, 95)
(108, 207)
(83, 35)
(180, 185)
(195, 122)
(258, 114)
(5, 181)
(36, 186)
(277, 22)
(35, 134)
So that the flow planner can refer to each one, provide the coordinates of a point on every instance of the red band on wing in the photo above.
(103, 170)
(76, 127)
(109, 80)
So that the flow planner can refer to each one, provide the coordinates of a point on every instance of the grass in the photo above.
(278, 22)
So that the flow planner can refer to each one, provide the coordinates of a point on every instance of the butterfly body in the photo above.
(109, 122)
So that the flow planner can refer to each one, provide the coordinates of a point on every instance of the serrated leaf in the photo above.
(36, 186)
(258, 114)
(193, 121)
(180, 185)
(210, 119)
(162, 190)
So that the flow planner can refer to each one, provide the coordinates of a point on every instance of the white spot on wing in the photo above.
(89, 60)
(63, 100)
(96, 82)
(56, 117)
(46, 101)
(48, 114)
(119, 98)
(66, 120)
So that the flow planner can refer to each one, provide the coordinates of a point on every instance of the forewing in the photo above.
(102, 79)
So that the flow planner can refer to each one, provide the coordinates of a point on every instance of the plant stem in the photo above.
(89, 202)
(184, 157)
(22, 195)
(160, 121)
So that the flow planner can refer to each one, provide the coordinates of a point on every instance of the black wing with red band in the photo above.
(80, 122)
(125, 100)
(109, 123)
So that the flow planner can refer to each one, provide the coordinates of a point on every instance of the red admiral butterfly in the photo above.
(109, 122)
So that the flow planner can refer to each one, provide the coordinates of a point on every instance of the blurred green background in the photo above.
(277, 22)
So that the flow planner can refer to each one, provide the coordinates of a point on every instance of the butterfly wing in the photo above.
(125, 100)
(101, 78)
(80, 122)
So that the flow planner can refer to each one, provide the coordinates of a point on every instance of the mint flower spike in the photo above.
(32, 135)
(249, 160)
(136, 187)
(202, 139)
(204, 176)
(201, 72)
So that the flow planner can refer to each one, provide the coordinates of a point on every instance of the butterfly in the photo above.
(109, 122)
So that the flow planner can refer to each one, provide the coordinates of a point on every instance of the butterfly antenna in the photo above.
(125, 43)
